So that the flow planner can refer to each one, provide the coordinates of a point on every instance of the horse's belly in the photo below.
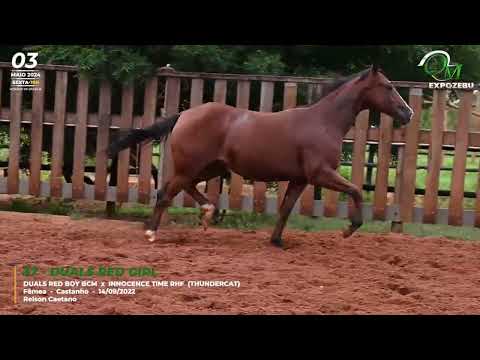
(262, 166)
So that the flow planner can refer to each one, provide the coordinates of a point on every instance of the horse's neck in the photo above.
(339, 109)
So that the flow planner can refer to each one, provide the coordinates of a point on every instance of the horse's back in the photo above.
(198, 137)
(210, 120)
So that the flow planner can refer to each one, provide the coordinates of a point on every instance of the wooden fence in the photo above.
(399, 203)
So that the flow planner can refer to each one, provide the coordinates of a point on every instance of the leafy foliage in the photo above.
(116, 63)
(127, 63)
(208, 58)
(262, 62)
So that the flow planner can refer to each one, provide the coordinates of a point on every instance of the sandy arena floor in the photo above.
(319, 273)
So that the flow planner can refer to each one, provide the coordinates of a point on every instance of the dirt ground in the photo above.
(318, 273)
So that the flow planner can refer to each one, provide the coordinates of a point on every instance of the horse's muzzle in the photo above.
(404, 115)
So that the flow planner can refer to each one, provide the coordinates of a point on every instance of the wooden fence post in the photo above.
(475, 120)
(126, 122)
(171, 105)
(397, 224)
(358, 158)
(435, 158)
(383, 166)
(101, 160)
(148, 118)
(56, 179)
(196, 99)
(14, 145)
(409, 169)
(455, 211)
(172, 102)
(37, 136)
(80, 141)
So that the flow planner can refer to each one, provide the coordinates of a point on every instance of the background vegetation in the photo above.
(126, 63)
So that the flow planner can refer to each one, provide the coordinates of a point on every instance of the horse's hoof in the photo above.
(347, 233)
(205, 223)
(277, 242)
(218, 216)
(215, 216)
(150, 235)
(207, 213)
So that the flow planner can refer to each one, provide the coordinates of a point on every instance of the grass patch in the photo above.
(139, 211)
(299, 222)
(76, 215)
(54, 207)
(450, 232)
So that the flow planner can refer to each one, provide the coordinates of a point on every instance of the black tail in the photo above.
(157, 131)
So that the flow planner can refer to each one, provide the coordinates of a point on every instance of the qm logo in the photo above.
(437, 65)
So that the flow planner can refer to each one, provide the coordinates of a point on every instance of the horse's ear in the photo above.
(375, 68)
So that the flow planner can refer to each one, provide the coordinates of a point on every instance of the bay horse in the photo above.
(300, 145)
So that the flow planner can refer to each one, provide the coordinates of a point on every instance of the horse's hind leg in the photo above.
(291, 195)
(209, 210)
(164, 200)
(334, 181)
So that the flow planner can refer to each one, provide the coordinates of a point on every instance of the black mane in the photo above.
(334, 84)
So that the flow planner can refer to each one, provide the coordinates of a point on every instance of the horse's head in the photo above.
(382, 96)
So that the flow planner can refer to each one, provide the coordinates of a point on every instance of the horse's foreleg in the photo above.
(291, 195)
(334, 181)
(164, 200)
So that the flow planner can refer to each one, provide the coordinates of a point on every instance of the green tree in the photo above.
(127, 63)
(116, 63)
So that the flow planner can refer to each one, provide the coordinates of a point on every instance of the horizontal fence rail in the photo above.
(82, 118)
